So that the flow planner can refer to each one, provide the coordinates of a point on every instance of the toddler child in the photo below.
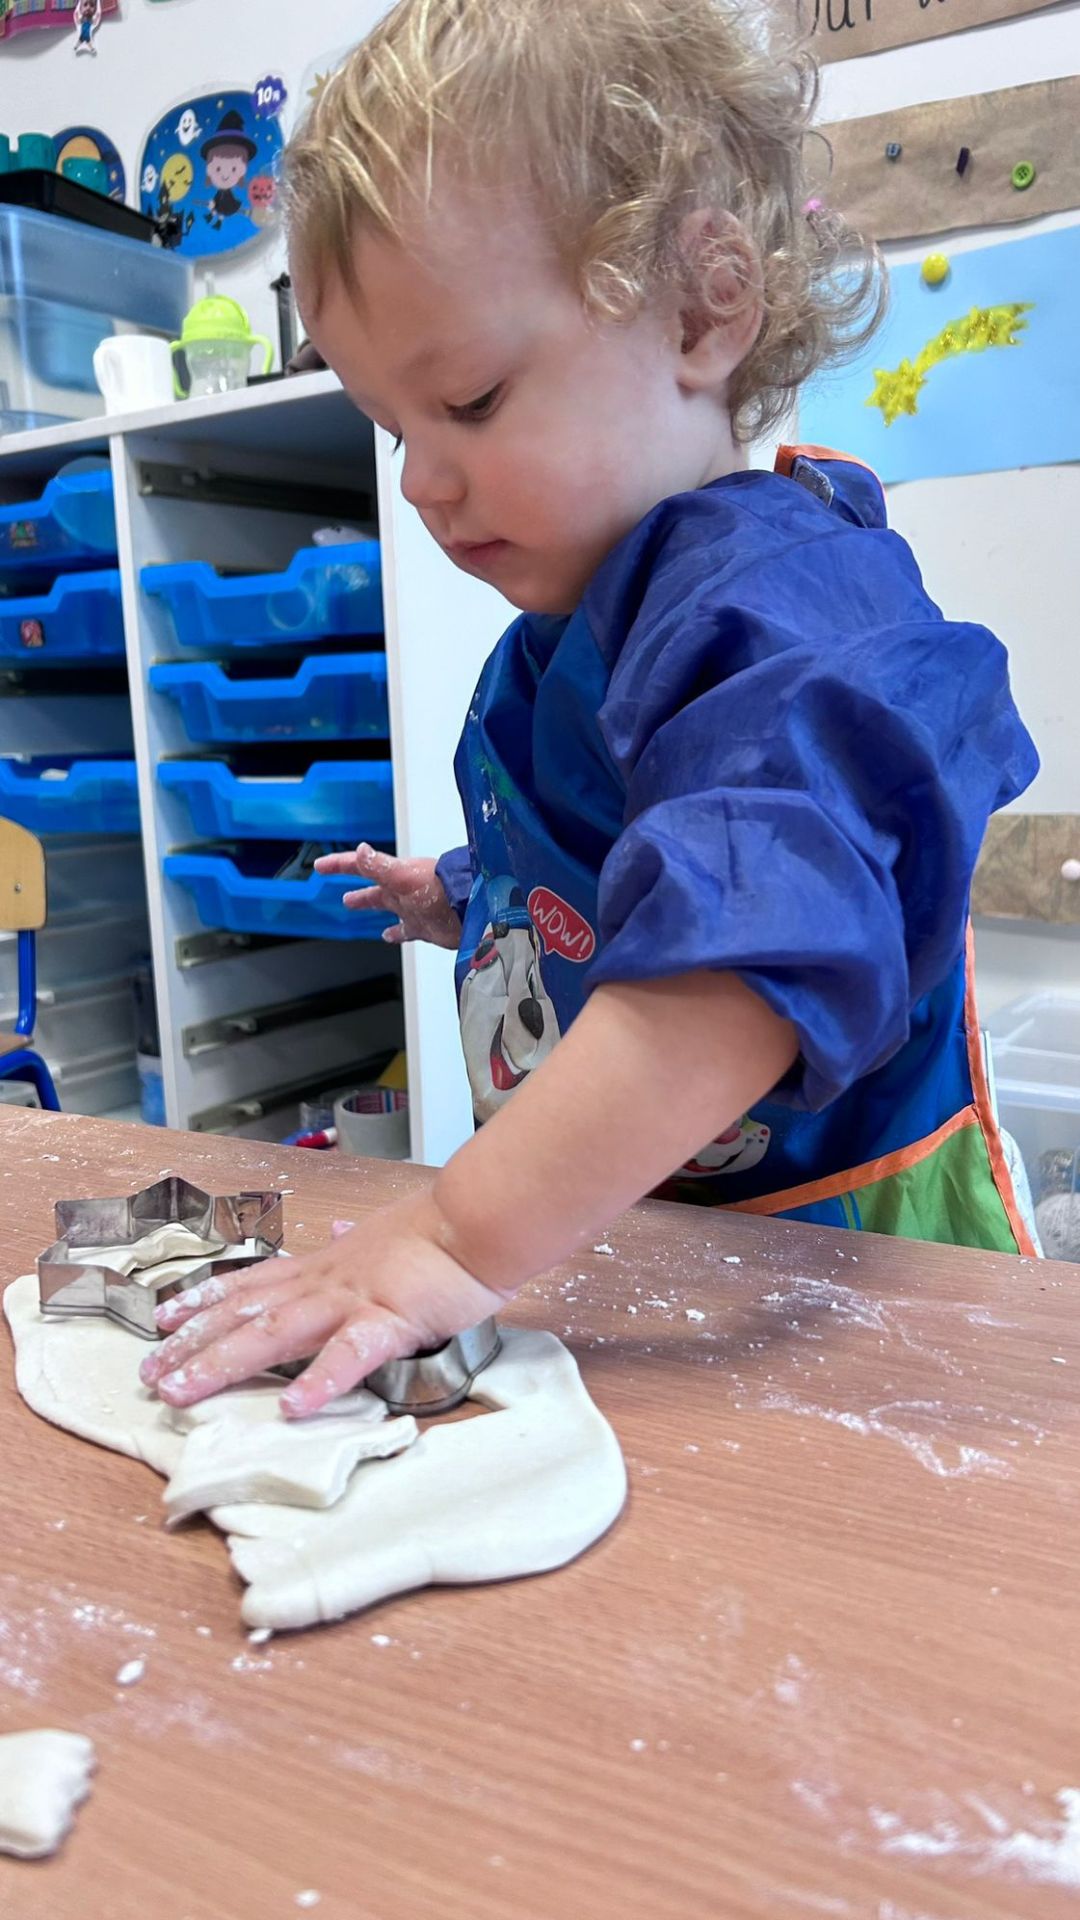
(726, 777)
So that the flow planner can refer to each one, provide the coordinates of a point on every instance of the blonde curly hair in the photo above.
(623, 117)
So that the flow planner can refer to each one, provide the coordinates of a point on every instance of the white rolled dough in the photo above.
(43, 1777)
(170, 1242)
(521, 1491)
(293, 1463)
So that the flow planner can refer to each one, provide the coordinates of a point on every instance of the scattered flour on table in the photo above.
(926, 1449)
(1046, 1851)
(789, 1684)
(30, 1631)
(802, 1295)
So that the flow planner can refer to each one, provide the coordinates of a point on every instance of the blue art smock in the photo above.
(756, 746)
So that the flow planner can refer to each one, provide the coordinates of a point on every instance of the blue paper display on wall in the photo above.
(973, 374)
(213, 162)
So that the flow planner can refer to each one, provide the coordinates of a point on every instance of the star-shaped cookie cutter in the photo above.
(67, 1285)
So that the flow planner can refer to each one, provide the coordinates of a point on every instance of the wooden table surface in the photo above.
(825, 1664)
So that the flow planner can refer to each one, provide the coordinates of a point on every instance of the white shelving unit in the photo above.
(295, 435)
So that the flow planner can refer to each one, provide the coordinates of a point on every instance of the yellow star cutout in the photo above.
(897, 389)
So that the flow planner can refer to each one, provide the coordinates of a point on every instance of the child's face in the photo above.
(534, 436)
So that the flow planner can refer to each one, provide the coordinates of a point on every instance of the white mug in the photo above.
(134, 370)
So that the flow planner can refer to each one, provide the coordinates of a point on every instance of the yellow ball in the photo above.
(935, 269)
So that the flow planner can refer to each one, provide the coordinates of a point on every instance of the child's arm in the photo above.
(411, 889)
(646, 1073)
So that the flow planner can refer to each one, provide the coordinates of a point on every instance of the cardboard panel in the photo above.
(845, 28)
(922, 192)
(1019, 875)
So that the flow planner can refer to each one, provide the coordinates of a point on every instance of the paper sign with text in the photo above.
(843, 29)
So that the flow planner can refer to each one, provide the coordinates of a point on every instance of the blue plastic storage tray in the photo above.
(251, 900)
(60, 795)
(329, 697)
(334, 800)
(323, 591)
(73, 524)
(80, 618)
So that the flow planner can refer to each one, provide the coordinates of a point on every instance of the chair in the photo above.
(22, 911)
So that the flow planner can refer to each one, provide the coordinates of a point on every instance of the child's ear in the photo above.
(722, 304)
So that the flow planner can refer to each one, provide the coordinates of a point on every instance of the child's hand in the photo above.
(383, 1291)
(409, 888)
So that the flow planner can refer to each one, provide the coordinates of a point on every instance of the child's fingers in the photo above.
(287, 1331)
(200, 1329)
(376, 866)
(266, 1275)
(365, 1342)
(367, 899)
(336, 863)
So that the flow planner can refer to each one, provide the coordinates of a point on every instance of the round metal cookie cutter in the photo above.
(435, 1382)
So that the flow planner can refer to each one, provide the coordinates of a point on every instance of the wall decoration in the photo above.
(314, 80)
(269, 95)
(213, 162)
(901, 175)
(86, 19)
(81, 18)
(897, 389)
(842, 29)
(974, 375)
(89, 143)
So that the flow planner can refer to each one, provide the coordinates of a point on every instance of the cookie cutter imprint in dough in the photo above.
(250, 1227)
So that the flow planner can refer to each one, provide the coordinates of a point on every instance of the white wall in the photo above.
(160, 52)
(1003, 548)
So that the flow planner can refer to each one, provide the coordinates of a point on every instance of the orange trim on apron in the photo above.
(787, 456)
(855, 1177)
(984, 1109)
(979, 1114)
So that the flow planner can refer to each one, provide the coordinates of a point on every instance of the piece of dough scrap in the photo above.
(521, 1491)
(44, 1775)
(293, 1463)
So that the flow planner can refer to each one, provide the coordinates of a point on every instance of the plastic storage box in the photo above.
(63, 289)
(71, 524)
(98, 934)
(338, 696)
(324, 592)
(100, 1082)
(81, 1018)
(1036, 1056)
(333, 800)
(61, 795)
(80, 618)
(239, 892)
